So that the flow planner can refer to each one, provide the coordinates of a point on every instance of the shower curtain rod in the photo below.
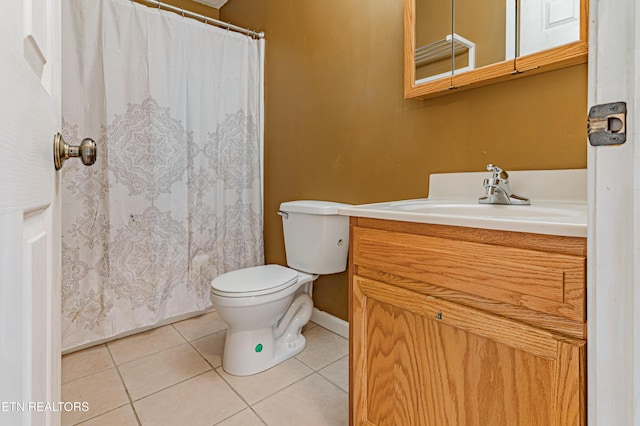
(206, 19)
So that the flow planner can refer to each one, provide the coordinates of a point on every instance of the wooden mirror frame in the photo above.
(547, 60)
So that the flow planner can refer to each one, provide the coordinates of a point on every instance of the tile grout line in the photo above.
(92, 372)
(86, 375)
(328, 379)
(198, 352)
(284, 388)
(231, 386)
(249, 406)
(150, 353)
(124, 385)
(258, 415)
(169, 387)
(235, 414)
(323, 367)
(333, 384)
(115, 367)
(101, 414)
(196, 338)
(220, 375)
(176, 329)
(233, 389)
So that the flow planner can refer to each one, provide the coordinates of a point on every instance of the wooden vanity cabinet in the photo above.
(462, 326)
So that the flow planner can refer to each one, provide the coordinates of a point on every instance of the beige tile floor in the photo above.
(172, 375)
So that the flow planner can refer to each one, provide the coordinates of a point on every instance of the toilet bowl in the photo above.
(256, 338)
(266, 306)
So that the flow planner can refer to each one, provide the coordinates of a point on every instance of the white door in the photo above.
(613, 282)
(29, 213)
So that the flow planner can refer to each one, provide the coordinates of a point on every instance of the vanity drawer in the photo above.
(521, 275)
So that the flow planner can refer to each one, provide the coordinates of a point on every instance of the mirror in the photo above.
(433, 48)
(483, 24)
(460, 44)
(545, 24)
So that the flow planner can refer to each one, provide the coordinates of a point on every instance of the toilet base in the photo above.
(248, 352)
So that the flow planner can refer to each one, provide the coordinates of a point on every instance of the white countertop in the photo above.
(558, 204)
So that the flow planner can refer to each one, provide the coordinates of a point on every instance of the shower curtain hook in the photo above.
(205, 19)
(183, 12)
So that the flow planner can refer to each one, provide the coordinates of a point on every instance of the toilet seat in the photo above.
(254, 281)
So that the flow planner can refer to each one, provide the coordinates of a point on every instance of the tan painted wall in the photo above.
(337, 126)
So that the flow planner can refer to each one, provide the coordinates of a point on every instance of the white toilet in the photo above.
(266, 306)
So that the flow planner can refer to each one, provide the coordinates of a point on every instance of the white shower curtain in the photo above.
(174, 198)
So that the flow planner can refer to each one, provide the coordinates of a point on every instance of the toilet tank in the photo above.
(316, 238)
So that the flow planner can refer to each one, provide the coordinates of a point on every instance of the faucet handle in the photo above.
(497, 172)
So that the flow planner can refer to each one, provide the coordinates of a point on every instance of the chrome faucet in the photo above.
(498, 190)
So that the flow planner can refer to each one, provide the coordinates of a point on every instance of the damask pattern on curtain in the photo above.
(174, 198)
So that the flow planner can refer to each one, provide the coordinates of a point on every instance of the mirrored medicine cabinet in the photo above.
(454, 45)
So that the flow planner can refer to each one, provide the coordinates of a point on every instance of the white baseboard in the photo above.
(331, 323)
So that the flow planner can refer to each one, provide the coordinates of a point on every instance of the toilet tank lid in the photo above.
(312, 207)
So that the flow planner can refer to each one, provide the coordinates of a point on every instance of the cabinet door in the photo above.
(418, 360)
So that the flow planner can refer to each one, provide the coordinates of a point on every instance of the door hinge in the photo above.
(607, 124)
